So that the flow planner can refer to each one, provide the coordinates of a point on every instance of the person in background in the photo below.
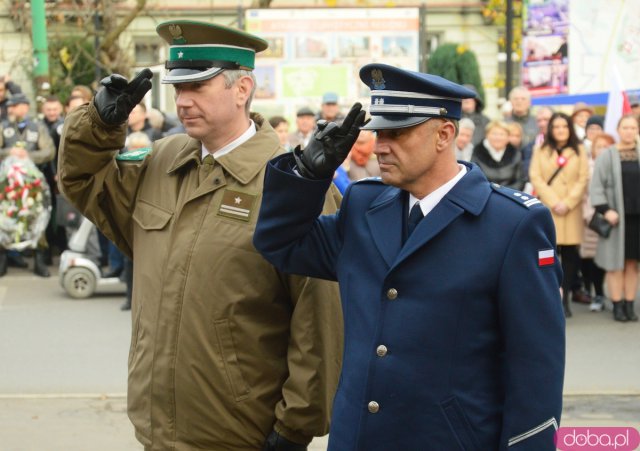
(450, 287)
(7, 87)
(227, 353)
(73, 102)
(634, 103)
(362, 162)
(138, 122)
(305, 123)
(543, 114)
(464, 144)
(559, 173)
(472, 109)
(25, 137)
(52, 110)
(520, 99)
(593, 128)
(615, 192)
(330, 109)
(160, 121)
(515, 135)
(592, 274)
(581, 114)
(281, 126)
(82, 91)
(500, 162)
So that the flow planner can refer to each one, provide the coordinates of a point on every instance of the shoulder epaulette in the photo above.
(134, 155)
(520, 198)
(374, 180)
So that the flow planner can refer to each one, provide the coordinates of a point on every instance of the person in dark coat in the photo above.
(500, 161)
(472, 109)
(450, 287)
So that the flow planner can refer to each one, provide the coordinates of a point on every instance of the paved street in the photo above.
(63, 372)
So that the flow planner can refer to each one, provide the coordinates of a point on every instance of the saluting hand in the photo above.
(329, 146)
(118, 97)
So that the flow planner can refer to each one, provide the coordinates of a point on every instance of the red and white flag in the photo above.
(617, 104)
(546, 257)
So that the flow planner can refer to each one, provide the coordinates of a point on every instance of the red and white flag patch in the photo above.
(546, 257)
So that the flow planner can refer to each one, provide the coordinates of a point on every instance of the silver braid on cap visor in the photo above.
(382, 101)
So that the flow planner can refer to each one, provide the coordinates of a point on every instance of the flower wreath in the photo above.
(25, 204)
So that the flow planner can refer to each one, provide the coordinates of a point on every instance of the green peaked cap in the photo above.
(200, 50)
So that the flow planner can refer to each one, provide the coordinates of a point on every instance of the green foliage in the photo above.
(72, 62)
(458, 64)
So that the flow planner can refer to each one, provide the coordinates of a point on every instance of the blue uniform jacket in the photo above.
(454, 340)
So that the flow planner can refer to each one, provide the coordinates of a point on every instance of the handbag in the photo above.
(600, 225)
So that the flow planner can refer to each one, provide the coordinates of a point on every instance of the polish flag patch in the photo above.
(546, 257)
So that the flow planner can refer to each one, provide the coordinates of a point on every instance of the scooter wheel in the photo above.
(79, 283)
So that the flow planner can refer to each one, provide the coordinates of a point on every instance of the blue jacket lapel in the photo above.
(385, 223)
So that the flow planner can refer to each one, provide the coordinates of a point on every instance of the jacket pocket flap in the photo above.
(151, 217)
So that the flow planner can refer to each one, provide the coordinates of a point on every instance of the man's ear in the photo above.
(244, 87)
(446, 136)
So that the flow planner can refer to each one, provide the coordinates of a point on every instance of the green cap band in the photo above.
(244, 57)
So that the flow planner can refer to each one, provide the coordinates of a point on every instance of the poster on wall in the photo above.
(313, 51)
(604, 39)
(545, 56)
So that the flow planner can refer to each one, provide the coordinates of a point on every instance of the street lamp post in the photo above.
(508, 48)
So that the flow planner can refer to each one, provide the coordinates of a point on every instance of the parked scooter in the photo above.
(80, 274)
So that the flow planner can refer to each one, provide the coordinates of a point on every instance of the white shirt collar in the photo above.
(429, 202)
(495, 155)
(246, 136)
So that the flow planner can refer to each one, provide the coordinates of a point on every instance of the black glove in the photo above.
(329, 146)
(118, 97)
(276, 442)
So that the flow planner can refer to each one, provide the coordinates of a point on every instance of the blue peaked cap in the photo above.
(403, 98)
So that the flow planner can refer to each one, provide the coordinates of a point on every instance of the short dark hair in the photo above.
(277, 120)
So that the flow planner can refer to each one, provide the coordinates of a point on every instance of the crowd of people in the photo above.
(554, 157)
(545, 153)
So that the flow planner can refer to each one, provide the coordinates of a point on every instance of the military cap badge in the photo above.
(176, 34)
(377, 79)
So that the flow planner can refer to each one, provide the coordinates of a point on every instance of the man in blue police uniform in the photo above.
(454, 332)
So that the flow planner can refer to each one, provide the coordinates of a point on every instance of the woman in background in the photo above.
(615, 192)
(559, 173)
(498, 159)
(592, 274)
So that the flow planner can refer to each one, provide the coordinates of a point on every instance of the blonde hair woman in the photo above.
(559, 173)
(615, 192)
(498, 159)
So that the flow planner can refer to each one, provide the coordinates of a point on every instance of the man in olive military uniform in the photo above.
(24, 137)
(227, 353)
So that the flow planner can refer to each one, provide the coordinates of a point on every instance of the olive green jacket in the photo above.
(224, 347)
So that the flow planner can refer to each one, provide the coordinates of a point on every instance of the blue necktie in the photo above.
(414, 218)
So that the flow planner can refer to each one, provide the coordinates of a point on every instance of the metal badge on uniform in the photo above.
(377, 79)
(9, 132)
(546, 257)
(237, 205)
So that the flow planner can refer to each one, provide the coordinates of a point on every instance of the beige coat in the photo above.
(224, 347)
(569, 186)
